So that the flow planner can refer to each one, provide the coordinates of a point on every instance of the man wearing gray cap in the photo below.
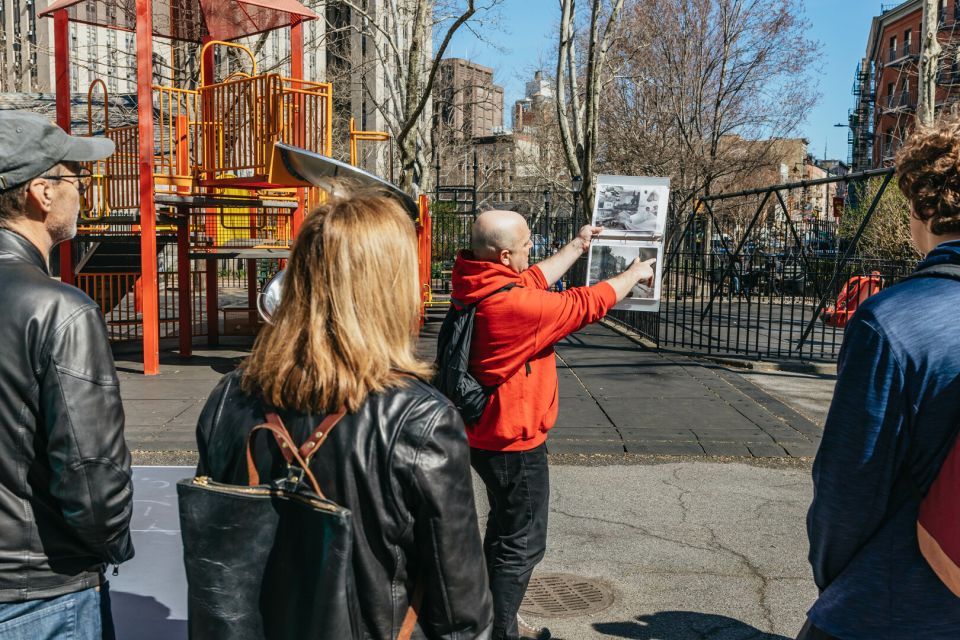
(65, 489)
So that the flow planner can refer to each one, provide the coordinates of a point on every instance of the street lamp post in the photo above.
(576, 184)
(547, 201)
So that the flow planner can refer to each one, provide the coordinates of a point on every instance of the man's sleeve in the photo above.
(533, 278)
(82, 417)
(860, 454)
(565, 312)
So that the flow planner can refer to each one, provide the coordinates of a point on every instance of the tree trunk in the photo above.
(929, 59)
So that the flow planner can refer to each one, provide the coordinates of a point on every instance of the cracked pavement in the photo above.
(681, 484)
(693, 550)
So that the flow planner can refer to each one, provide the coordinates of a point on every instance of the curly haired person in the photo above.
(893, 419)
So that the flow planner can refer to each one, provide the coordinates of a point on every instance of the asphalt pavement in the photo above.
(686, 551)
(678, 486)
(616, 398)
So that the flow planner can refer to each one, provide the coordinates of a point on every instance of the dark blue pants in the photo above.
(84, 615)
(518, 489)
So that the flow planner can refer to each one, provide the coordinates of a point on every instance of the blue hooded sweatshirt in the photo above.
(894, 417)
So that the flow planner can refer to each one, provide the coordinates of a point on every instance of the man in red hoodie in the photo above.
(512, 350)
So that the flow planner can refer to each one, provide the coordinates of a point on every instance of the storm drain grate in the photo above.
(561, 595)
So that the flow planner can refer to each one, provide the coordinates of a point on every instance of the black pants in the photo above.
(518, 489)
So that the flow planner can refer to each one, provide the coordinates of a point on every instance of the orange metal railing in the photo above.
(241, 227)
(178, 136)
(356, 135)
(240, 123)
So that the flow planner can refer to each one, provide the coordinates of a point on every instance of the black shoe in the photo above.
(528, 632)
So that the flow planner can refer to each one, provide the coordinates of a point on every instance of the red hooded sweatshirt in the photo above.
(513, 336)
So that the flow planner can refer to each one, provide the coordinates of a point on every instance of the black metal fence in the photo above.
(550, 213)
(746, 276)
(749, 274)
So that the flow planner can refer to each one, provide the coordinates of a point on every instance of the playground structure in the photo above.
(194, 182)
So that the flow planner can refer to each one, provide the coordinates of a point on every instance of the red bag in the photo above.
(938, 523)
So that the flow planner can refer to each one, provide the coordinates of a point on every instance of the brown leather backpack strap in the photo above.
(283, 441)
(287, 447)
(319, 435)
(410, 620)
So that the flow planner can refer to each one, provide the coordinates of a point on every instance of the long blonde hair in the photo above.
(347, 323)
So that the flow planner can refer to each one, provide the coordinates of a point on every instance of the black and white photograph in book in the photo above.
(630, 208)
(607, 260)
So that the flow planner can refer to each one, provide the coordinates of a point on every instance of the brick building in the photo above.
(886, 82)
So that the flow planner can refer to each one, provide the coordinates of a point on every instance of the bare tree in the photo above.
(705, 91)
(403, 33)
(578, 118)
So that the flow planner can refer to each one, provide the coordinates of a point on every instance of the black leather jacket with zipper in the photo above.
(401, 464)
(65, 488)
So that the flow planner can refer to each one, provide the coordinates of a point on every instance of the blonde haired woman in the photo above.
(344, 336)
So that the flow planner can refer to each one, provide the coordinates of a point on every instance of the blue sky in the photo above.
(523, 41)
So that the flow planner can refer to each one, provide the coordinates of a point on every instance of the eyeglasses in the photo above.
(82, 183)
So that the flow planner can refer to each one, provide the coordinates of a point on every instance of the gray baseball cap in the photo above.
(30, 144)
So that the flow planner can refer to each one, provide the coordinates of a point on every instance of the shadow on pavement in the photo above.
(144, 618)
(126, 363)
(684, 625)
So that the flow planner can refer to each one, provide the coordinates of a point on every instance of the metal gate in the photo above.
(757, 274)
(551, 215)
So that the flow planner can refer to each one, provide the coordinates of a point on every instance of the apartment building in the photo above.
(886, 87)
(536, 106)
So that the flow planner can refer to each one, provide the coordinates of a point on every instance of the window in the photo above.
(906, 41)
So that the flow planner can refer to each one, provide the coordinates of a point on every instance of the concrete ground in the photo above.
(807, 393)
(691, 551)
(680, 484)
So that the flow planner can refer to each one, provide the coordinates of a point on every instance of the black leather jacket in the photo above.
(401, 464)
(65, 489)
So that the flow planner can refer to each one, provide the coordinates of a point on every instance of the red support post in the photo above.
(61, 51)
(148, 208)
(425, 253)
(296, 72)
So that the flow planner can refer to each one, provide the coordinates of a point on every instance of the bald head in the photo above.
(502, 237)
(494, 231)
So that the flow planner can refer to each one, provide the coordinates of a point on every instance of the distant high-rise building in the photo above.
(466, 102)
(26, 49)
